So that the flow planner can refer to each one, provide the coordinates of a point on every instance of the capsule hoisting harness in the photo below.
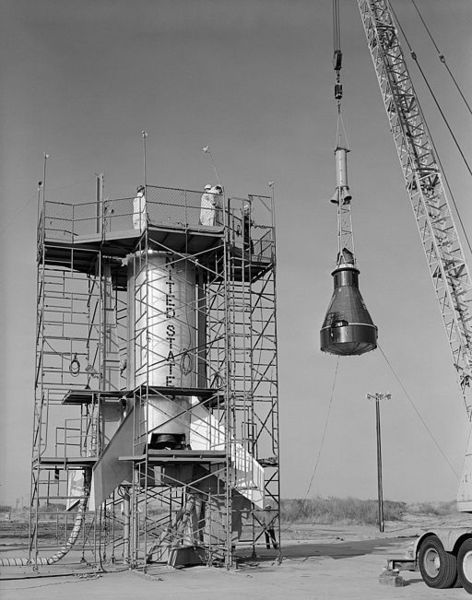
(341, 136)
(342, 196)
(348, 329)
(337, 56)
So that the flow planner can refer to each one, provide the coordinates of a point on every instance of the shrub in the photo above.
(436, 509)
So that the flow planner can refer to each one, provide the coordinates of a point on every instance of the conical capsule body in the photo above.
(347, 328)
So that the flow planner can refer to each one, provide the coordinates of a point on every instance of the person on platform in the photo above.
(139, 209)
(217, 192)
(207, 207)
(248, 244)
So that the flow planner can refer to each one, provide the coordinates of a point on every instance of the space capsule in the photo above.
(347, 328)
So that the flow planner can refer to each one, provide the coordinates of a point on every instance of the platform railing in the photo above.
(173, 206)
(69, 438)
(162, 206)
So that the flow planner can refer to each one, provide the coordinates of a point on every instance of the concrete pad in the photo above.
(330, 574)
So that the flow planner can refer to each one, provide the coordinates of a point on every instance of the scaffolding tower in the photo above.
(156, 423)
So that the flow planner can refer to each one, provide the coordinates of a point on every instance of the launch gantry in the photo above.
(156, 423)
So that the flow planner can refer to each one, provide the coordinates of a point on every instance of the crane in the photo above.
(443, 555)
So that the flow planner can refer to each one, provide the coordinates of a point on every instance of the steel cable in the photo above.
(431, 91)
(442, 58)
(415, 58)
(325, 428)
(410, 400)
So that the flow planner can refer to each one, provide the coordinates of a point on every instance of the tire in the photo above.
(464, 565)
(438, 568)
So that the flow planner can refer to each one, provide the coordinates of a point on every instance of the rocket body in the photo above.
(341, 192)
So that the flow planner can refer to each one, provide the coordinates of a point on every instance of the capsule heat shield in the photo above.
(348, 328)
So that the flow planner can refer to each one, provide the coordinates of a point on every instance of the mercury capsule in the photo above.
(348, 328)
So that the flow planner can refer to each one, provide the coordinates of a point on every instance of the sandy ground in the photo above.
(334, 562)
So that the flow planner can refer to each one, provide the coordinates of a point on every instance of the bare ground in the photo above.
(323, 561)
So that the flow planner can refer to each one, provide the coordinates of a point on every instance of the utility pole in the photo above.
(377, 398)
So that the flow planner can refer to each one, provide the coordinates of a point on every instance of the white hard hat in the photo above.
(207, 187)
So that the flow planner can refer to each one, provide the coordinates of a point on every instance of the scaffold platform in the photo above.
(158, 457)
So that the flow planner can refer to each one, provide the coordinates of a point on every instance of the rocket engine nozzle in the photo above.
(341, 196)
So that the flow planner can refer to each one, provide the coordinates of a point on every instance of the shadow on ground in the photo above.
(334, 550)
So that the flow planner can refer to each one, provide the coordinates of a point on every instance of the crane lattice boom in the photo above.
(424, 183)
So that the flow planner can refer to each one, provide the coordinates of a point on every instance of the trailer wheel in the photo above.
(464, 565)
(438, 568)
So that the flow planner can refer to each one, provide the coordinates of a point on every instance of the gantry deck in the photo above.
(206, 243)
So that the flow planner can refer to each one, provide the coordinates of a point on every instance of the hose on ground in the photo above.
(74, 534)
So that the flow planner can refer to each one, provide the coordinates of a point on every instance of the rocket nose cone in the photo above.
(348, 329)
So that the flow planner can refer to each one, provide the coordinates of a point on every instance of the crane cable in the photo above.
(410, 400)
(413, 55)
(336, 29)
(464, 230)
(442, 58)
(340, 130)
(431, 91)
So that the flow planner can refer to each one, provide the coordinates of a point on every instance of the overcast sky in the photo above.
(253, 79)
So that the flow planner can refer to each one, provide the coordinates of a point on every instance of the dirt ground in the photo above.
(334, 562)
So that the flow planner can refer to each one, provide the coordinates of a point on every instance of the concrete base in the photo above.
(391, 577)
(186, 556)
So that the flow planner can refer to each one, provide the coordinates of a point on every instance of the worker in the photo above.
(139, 209)
(207, 207)
(217, 192)
(187, 522)
(268, 523)
(248, 244)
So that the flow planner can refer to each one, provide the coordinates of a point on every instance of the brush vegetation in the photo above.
(434, 509)
(340, 510)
